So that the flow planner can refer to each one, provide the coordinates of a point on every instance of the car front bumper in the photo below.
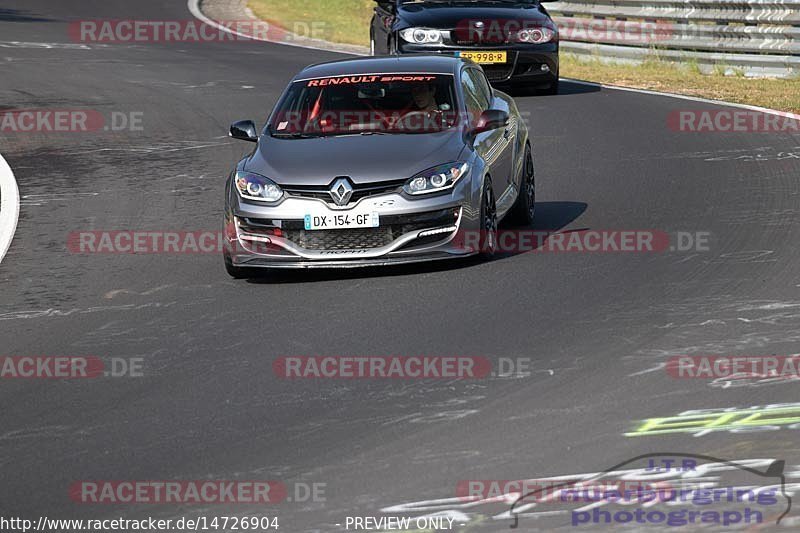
(527, 64)
(410, 230)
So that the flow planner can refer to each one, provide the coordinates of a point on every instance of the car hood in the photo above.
(458, 14)
(364, 158)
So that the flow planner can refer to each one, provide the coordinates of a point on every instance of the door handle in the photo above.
(506, 134)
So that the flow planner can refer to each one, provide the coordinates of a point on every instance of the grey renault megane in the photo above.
(375, 161)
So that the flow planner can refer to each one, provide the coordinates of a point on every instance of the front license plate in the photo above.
(485, 58)
(342, 221)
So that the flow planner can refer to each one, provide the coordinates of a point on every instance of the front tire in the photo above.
(488, 221)
(524, 209)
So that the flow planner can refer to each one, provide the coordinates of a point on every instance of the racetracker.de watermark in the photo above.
(401, 367)
(583, 241)
(69, 367)
(28, 121)
(710, 367)
(178, 492)
(500, 30)
(145, 242)
(112, 31)
(732, 121)
(397, 367)
(549, 490)
(615, 31)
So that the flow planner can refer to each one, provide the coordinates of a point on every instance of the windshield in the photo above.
(366, 104)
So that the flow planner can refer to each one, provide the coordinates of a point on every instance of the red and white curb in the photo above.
(9, 207)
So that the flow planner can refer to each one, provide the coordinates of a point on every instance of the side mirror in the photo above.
(244, 130)
(491, 119)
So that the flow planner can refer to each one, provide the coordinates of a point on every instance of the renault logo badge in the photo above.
(341, 191)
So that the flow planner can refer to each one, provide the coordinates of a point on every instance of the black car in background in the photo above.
(515, 41)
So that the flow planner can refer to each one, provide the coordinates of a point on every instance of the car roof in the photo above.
(409, 64)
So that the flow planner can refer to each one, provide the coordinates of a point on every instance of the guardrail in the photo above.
(755, 37)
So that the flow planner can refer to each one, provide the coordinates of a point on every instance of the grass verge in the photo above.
(781, 94)
(338, 21)
(347, 21)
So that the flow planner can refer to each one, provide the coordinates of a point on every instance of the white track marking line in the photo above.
(689, 98)
(9, 207)
(194, 8)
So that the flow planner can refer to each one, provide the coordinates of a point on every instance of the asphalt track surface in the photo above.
(209, 406)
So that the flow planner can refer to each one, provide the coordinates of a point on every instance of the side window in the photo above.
(476, 99)
(471, 98)
(481, 86)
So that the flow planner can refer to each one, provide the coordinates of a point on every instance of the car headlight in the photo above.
(539, 35)
(422, 35)
(436, 179)
(254, 187)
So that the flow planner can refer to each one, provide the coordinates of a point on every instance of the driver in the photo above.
(424, 96)
(423, 112)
